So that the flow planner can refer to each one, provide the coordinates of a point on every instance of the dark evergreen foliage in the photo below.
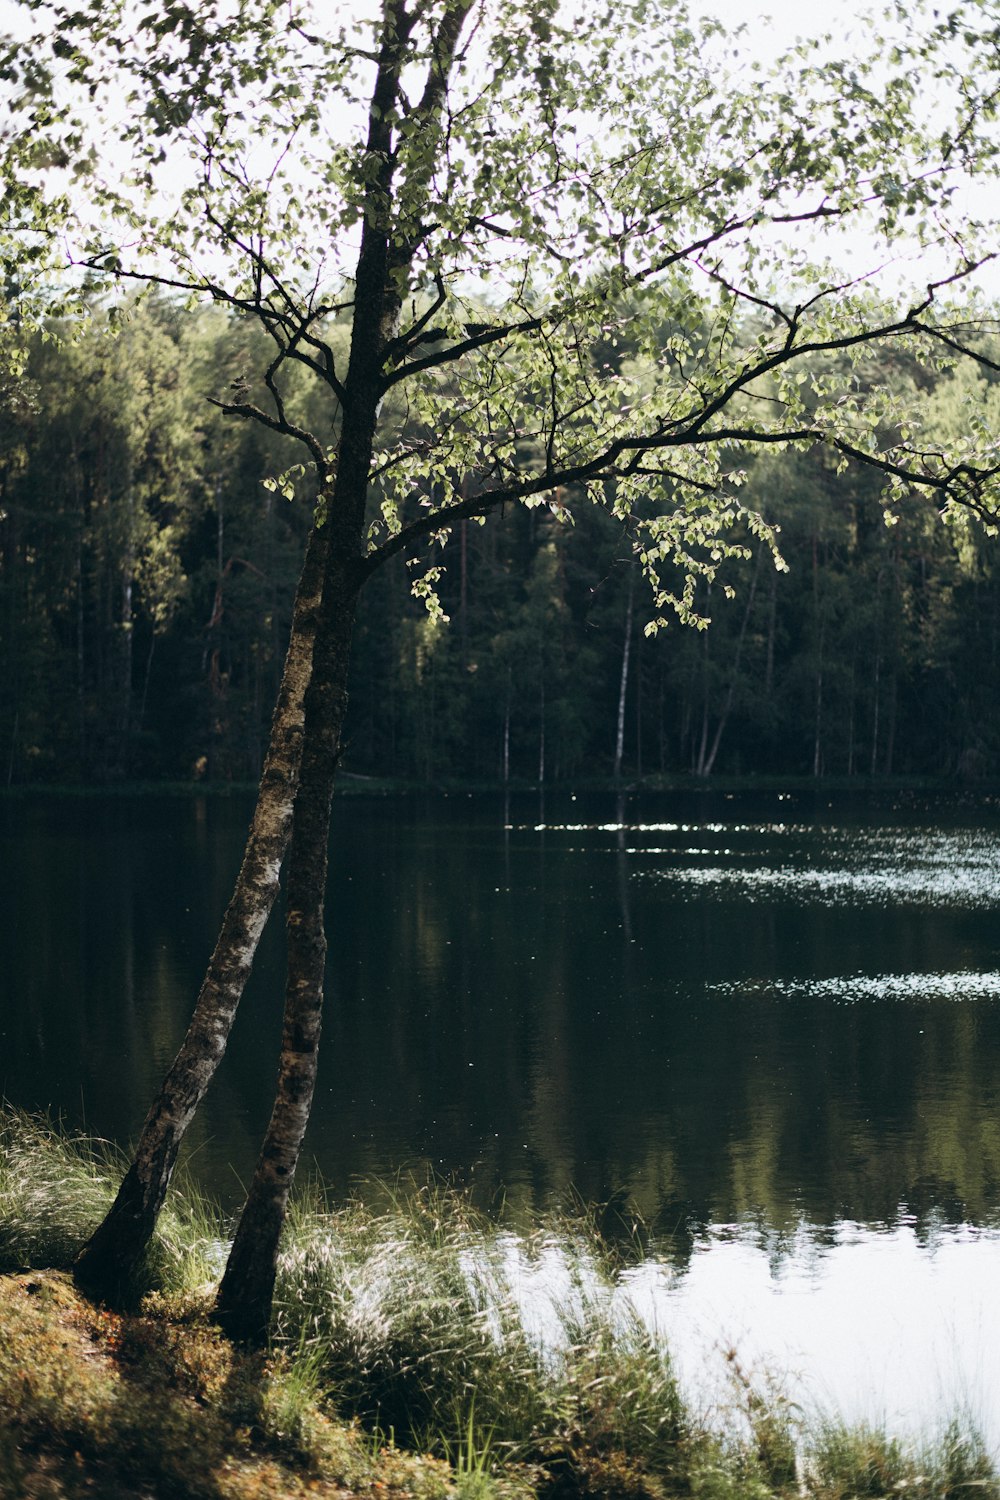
(147, 574)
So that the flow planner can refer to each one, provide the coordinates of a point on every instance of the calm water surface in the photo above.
(772, 1022)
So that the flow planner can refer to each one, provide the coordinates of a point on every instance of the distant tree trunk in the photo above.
(13, 748)
(894, 660)
(820, 623)
(78, 582)
(709, 760)
(876, 705)
(875, 715)
(106, 1264)
(541, 721)
(638, 705)
(147, 674)
(772, 615)
(463, 598)
(10, 574)
(699, 763)
(126, 624)
(505, 753)
(212, 659)
(890, 737)
(623, 679)
(818, 717)
(661, 727)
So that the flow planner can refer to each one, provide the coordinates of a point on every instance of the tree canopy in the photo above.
(542, 179)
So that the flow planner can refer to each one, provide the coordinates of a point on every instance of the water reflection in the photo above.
(746, 1011)
(513, 1009)
(889, 1327)
(771, 1026)
(895, 1326)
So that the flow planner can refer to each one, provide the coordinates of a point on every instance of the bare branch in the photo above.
(249, 411)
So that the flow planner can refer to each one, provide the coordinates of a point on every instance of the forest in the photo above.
(149, 547)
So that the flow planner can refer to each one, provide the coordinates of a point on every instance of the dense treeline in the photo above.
(147, 572)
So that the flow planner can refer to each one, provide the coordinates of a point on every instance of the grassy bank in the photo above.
(419, 1350)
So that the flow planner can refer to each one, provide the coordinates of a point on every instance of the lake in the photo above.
(769, 1021)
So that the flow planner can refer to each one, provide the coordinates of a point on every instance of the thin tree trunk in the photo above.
(890, 738)
(772, 615)
(247, 1289)
(818, 717)
(145, 681)
(820, 641)
(638, 705)
(699, 765)
(660, 725)
(302, 756)
(875, 715)
(13, 748)
(623, 680)
(106, 1264)
(878, 672)
(463, 604)
(506, 732)
(541, 721)
(81, 677)
(706, 769)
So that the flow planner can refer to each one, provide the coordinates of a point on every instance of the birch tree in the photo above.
(475, 198)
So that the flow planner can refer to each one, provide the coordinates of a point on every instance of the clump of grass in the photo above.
(472, 1461)
(291, 1400)
(55, 1187)
(862, 1461)
(770, 1423)
(844, 1461)
(407, 1307)
(960, 1464)
(416, 1319)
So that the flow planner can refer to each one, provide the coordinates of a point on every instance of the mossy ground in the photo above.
(159, 1403)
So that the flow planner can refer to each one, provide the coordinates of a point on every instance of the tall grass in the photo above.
(517, 1357)
(460, 1337)
(55, 1187)
(865, 1462)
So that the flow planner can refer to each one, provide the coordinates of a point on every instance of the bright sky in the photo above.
(770, 28)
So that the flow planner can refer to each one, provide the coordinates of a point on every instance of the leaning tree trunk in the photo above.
(106, 1264)
(384, 261)
(246, 1292)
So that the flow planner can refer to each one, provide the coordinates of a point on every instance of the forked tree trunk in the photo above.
(107, 1263)
(244, 1302)
(305, 739)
